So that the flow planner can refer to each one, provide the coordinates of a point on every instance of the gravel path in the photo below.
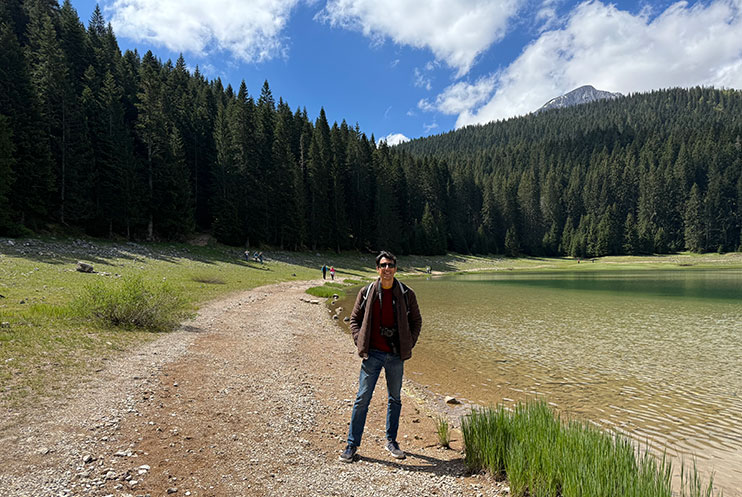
(252, 397)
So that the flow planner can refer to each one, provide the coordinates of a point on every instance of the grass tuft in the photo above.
(443, 430)
(327, 290)
(541, 456)
(132, 303)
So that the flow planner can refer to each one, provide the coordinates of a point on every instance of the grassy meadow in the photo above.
(47, 336)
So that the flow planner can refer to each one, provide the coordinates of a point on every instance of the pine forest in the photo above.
(125, 146)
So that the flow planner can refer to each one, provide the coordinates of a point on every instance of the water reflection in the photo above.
(655, 355)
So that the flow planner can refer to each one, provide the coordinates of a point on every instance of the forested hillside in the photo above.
(120, 145)
(657, 172)
(126, 146)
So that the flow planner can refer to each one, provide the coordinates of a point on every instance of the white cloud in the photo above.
(421, 80)
(614, 50)
(249, 29)
(547, 14)
(456, 31)
(430, 127)
(394, 139)
(461, 97)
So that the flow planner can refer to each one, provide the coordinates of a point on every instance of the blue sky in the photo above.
(409, 68)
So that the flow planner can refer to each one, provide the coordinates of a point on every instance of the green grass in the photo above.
(443, 431)
(47, 342)
(324, 292)
(329, 289)
(132, 303)
(542, 456)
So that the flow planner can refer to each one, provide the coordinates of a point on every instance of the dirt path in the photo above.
(252, 397)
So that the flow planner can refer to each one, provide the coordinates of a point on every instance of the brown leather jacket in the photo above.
(409, 328)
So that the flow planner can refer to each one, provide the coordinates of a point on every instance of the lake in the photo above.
(653, 354)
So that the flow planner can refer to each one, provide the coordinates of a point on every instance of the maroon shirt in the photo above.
(382, 317)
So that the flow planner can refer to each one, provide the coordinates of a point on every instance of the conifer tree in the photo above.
(693, 221)
(631, 243)
(32, 165)
(152, 131)
(388, 202)
(7, 160)
(340, 237)
(266, 174)
(318, 176)
(286, 228)
(512, 245)
(228, 226)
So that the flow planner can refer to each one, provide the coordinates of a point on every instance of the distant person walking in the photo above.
(385, 324)
(332, 273)
(324, 272)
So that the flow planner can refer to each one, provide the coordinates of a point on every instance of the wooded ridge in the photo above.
(121, 145)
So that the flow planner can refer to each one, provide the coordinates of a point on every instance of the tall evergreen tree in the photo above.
(318, 176)
(152, 130)
(286, 227)
(18, 102)
(7, 160)
(693, 221)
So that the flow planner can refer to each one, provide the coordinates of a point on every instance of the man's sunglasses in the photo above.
(384, 265)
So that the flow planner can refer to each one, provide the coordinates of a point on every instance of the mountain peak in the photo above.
(581, 95)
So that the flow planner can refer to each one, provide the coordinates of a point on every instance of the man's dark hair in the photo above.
(385, 254)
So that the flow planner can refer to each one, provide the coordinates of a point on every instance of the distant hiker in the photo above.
(247, 255)
(324, 272)
(260, 257)
(385, 324)
(332, 273)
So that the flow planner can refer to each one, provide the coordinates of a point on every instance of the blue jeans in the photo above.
(370, 370)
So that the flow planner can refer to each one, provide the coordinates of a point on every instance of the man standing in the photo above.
(385, 323)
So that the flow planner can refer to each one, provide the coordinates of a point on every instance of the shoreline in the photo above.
(67, 426)
(252, 397)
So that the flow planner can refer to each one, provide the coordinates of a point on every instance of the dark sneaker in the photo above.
(394, 450)
(349, 453)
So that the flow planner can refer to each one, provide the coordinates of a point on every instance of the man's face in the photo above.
(386, 269)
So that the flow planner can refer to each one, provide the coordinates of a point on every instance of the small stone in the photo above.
(172, 490)
(88, 459)
(452, 400)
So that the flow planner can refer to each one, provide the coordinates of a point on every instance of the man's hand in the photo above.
(363, 356)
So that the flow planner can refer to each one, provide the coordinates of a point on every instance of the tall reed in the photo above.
(543, 457)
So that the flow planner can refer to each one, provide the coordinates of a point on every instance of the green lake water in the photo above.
(655, 355)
